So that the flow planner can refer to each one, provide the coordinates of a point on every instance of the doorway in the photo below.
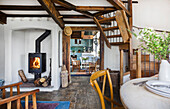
(84, 53)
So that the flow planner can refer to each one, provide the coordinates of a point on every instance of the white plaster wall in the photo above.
(23, 43)
(2, 52)
(151, 13)
(33, 23)
(111, 57)
(18, 54)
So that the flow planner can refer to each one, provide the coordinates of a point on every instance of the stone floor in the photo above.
(79, 93)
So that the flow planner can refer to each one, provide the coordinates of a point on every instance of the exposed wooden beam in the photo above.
(118, 5)
(45, 15)
(84, 22)
(132, 1)
(72, 7)
(95, 8)
(50, 8)
(102, 32)
(83, 28)
(59, 8)
(75, 16)
(29, 8)
(79, 22)
(3, 18)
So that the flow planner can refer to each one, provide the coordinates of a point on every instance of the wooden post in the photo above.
(3, 93)
(18, 103)
(121, 67)
(130, 39)
(26, 102)
(18, 90)
(138, 64)
(101, 52)
(66, 52)
(34, 101)
(11, 91)
(9, 105)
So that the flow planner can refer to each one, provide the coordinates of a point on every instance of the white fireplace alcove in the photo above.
(20, 40)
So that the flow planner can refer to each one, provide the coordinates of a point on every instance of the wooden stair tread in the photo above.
(111, 28)
(113, 36)
(107, 19)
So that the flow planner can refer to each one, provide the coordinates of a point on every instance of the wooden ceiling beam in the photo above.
(102, 32)
(50, 8)
(29, 8)
(95, 8)
(132, 1)
(84, 28)
(118, 5)
(45, 15)
(3, 18)
(84, 22)
(75, 16)
(59, 8)
(72, 7)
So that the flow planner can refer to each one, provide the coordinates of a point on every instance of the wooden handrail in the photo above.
(16, 97)
(11, 89)
(154, 29)
(11, 85)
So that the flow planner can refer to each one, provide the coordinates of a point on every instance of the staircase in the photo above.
(115, 34)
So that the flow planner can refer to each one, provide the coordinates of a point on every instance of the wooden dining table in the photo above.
(138, 97)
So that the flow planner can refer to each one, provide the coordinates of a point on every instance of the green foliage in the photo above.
(85, 58)
(154, 43)
(73, 51)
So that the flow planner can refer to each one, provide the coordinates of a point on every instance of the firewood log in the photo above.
(43, 79)
(47, 82)
(37, 82)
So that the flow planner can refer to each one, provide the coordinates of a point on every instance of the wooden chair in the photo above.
(92, 67)
(75, 64)
(95, 86)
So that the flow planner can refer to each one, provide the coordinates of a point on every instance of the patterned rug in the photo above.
(49, 104)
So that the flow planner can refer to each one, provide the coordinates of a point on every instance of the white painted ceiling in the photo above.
(75, 2)
(36, 3)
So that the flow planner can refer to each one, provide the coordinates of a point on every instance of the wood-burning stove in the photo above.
(37, 63)
(37, 60)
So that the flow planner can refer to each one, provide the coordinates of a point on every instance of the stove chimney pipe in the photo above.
(40, 39)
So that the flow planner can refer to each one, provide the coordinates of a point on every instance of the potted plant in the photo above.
(85, 58)
(158, 45)
(73, 52)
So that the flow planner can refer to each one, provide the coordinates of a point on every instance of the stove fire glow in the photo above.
(35, 62)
